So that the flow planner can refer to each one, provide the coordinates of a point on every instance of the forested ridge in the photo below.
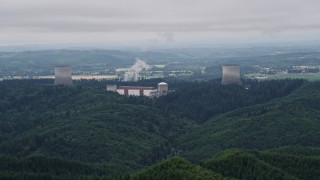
(240, 164)
(102, 133)
(291, 120)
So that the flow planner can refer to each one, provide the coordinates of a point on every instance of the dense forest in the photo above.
(241, 164)
(282, 163)
(85, 132)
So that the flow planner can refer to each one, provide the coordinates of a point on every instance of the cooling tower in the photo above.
(63, 75)
(231, 74)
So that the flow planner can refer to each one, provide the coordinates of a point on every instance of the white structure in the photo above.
(231, 74)
(112, 87)
(163, 88)
(120, 91)
(148, 92)
(140, 90)
(63, 75)
(135, 90)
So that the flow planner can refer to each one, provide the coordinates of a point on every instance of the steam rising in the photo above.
(133, 73)
(168, 37)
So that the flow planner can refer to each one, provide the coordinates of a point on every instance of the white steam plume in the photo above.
(133, 73)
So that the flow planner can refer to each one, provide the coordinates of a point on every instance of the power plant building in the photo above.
(135, 90)
(63, 75)
(140, 90)
(231, 74)
(112, 87)
(163, 88)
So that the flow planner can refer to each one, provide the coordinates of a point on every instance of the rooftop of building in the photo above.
(162, 83)
(136, 87)
(231, 65)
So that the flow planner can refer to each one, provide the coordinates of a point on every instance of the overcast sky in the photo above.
(155, 21)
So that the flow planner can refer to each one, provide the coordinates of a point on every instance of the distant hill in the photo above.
(43, 62)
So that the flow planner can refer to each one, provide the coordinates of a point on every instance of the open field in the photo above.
(78, 77)
(161, 66)
(308, 76)
(122, 69)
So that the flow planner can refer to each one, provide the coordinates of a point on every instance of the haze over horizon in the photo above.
(157, 22)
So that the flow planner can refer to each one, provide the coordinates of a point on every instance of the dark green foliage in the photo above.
(297, 151)
(266, 165)
(85, 132)
(46, 168)
(239, 164)
(174, 169)
(201, 100)
(289, 121)
(82, 123)
(300, 166)
(243, 165)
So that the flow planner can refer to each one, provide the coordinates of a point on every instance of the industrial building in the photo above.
(63, 75)
(231, 74)
(163, 87)
(140, 90)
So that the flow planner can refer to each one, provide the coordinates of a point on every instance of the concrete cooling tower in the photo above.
(231, 74)
(63, 75)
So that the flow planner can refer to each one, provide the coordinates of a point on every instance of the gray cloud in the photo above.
(160, 20)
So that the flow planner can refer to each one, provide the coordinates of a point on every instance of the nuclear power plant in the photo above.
(230, 74)
(140, 90)
(63, 75)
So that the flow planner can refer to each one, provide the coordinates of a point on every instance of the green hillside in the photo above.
(82, 123)
(292, 120)
(244, 165)
(41, 167)
(47, 130)
(297, 151)
(229, 164)
(176, 168)
(265, 165)
(241, 164)
(199, 101)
